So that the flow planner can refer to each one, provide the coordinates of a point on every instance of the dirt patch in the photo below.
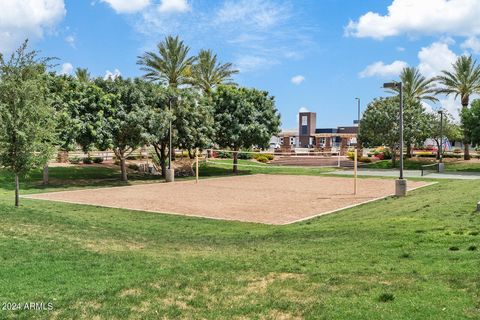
(270, 199)
(130, 293)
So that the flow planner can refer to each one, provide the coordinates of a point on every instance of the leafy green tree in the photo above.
(122, 128)
(244, 118)
(27, 132)
(170, 66)
(193, 125)
(159, 116)
(462, 82)
(416, 88)
(208, 73)
(448, 129)
(471, 122)
(379, 125)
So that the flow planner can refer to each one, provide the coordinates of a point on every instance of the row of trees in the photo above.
(379, 125)
(41, 112)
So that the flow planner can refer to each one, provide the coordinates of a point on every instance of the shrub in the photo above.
(75, 160)
(87, 160)
(268, 156)
(222, 155)
(98, 160)
(457, 151)
(472, 248)
(133, 166)
(364, 159)
(262, 159)
(244, 156)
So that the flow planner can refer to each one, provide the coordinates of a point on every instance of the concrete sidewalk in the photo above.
(410, 174)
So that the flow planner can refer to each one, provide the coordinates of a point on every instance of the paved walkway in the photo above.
(411, 174)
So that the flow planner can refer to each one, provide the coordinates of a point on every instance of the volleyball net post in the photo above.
(355, 161)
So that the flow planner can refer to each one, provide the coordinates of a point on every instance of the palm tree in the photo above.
(82, 74)
(416, 88)
(463, 81)
(171, 65)
(208, 73)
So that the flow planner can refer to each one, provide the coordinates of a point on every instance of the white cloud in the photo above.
(173, 6)
(247, 63)
(112, 75)
(435, 58)
(452, 17)
(67, 68)
(297, 80)
(70, 40)
(127, 6)
(254, 13)
(383, 70)
(400, 49)
(21, 19)
(473, 44)
(303, 109)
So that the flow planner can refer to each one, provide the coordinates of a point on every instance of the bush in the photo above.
(98, 160)
(457, 151)
(244, 156)
(222, 155)
(267, 156)
(364, 159)
(87, 160)
(133, 166)
(262, 158)
(75, 160)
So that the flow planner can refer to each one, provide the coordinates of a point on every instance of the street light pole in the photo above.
(400, 184)
(441, 166)
(358, 109)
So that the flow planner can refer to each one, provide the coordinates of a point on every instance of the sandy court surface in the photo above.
(270, 199)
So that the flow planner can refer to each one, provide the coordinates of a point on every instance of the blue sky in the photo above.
(311, 54)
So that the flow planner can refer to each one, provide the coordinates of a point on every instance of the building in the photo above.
(318, 139)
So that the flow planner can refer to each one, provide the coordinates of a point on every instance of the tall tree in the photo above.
(441, 131)
(208, 73)
(471, 121)
(379, 125)
(416, 88)
(26, 116)
(122, 129)
(170, 65)
(159, 116)
(462, 82)
(82, 74)
(244, 118)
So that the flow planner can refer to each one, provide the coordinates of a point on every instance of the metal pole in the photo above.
(358, 116)
(170, 137)
(441, 136)
(400, 87)
(355, 172)
(196, 165)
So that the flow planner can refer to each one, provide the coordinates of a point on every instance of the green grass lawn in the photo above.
(416, 164)
(411, 258)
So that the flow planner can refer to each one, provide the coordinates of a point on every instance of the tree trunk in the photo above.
(409, 150)
(466, 151)
(394, 156)
(123, 168)
(17, 190)
(160, 150)
(45, 175)
(235, 162)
